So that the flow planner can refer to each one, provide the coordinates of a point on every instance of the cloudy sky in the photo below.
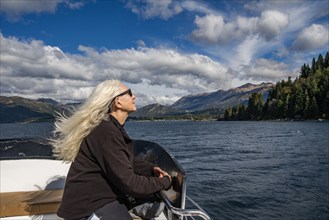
(162, 49)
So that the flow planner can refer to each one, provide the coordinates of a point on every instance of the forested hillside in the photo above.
(307, 97)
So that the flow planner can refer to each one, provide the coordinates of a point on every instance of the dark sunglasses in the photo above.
(128, 91)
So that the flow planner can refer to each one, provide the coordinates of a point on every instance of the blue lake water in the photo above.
(239, 170)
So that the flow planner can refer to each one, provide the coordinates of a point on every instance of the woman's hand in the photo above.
(158, 172)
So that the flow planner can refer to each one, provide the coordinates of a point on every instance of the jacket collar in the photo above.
(119, 126)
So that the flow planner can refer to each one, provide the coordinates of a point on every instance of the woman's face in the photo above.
(126, 101)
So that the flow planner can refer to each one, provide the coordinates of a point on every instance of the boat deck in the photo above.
(30, 202)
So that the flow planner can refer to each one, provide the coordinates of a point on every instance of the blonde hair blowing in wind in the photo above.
(70, 131)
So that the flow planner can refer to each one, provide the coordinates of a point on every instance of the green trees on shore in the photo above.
(307, 97)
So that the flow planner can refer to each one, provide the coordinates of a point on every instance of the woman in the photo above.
(104, 173)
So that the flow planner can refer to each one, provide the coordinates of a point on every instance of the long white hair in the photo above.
(70, 131)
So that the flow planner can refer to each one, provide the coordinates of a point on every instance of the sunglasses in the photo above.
(128, 91)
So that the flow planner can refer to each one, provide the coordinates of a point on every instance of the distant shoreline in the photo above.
(178, 120)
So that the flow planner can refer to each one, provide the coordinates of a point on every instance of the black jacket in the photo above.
(105, 170)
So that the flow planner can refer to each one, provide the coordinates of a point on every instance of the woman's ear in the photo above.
(117, 103)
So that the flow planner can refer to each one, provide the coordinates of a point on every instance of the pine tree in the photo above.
(323, 94)
(289, 82)
(299, 101)
(320, 63)
(234, 115)
(285, 107)
(305, 71)
(313, 109)
(227, 114)
(306, 103)
(242, 113)
(313, 65)
(326, 61)
(255, 106)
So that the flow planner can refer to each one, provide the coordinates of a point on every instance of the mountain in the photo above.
(50, 101)
(18, 109)
(213, 103)
(153, 110)
(221, 99)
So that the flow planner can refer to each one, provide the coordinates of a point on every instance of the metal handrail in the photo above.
(184, 212)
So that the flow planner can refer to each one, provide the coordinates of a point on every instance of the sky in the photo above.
(161, 49)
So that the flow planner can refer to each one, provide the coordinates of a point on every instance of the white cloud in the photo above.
(30, 67)
(14, 9)
(149, 94)
(271, 23)
(265, 70)
(299, 11)
(244, 52)
(34, 59)
(246, 49)
(24, 7)
(246, 25)
(164, 9)
(214, 30)
(197, 6)
(160, 66)
(310, 38)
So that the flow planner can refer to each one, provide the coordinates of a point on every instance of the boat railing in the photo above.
(174, 199)
(183, 213)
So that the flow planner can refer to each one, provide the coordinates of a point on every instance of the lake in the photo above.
(239, 170)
